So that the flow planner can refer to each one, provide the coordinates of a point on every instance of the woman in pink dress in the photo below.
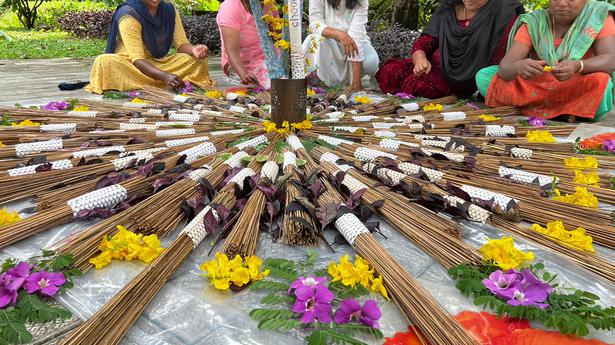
(242, 56)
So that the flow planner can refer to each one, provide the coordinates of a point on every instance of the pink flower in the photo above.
(350, 309)
(133, 94)
(306, 281)
(313, 303)
(55, 106)
(537, 121)
(609, 145)
(187, 87)
(11, 281)
(404, 95)
(47, 283)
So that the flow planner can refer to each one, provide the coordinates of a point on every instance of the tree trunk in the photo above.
(406, 13)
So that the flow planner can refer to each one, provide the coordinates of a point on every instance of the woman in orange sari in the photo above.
(560, 61)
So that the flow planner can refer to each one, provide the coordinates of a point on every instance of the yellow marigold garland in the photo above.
(358, 273)
(488, 118)
(581, 163)
(539, 137)
(575, 239)
(363, 100)
(433, 107)
(590, 179)
(81, 108)
(270, 126)
(221, 271)
(213, 94)
(126, 245)
(502, 252)
(8, 217)
(26, 123)
(580, 197)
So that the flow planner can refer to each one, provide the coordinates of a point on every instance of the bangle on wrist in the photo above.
(582, 66)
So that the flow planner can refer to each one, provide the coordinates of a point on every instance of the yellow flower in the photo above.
(580, 197)
(8, 217)
(240, 276)
(151, 249)
(81, 108)
(575, 239)
(25, 123)
(378, 286)
(502, 252)
(138, 100)
(285, 128)
(363, 100)
(303, 125)
(581, 163)
(126, 245)
(309, 117)
(488, 118)
(334, 272)
(102, 260)
(282, 44)
(311, 92)
(221, 272)
(433, 107)
(268, 2)
(269, 126)
(539, 137)
(285, 9)
(1, 144)
(254, 265)
(213, 94)
(363, 273)
(590, 179)
(547, 68)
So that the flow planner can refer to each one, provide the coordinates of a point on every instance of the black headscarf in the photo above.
(464, 51)
(157, 31)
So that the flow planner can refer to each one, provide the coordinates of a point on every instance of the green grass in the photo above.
(46, 45)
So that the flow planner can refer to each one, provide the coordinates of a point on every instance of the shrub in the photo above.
(52, 11)
(203, 29)
(27, 11)
(393, 41)
(87, 24)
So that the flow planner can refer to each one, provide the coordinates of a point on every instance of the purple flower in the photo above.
(18, 275)
(502, 284)
(404, 95)
(133, 94)
(306, 281)
(473, 106)
(259, 89)
(7, 296)
(56, 106)
(48, 283)
(518, 288)
(187, 87)
(350, 309)
(609, 145)
(537, 121)
(313, 303)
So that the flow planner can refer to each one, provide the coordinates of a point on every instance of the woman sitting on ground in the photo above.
(338, 51)
(461, 38)
(141, 35)
(242, 56)
(575, 40)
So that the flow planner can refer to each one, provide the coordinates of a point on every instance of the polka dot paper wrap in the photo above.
(367, 154)
(384, 134)
(413, 169)
(235, 160)
(198, 151)
(261, 139)
(241, 175)
(200, 173)
(474, 212)
(121, 163)
(175, 132)
(453, 116)
(237, 109)
(195, 230)
(499, 131)
(520, 153)
(135, 126)
(270, 170)
(181, 99)
(228, 132)
(135, 105)
(388, 176)
(333, 158)
(353, 184)
(181, 142)
(413, 118)
(98, 152)
(59, 128)
(38, 146)
(31, 169)
(83, 113)
(350, 227)
(364, 118)
(174, 123)
(294, 142)
(185, 117)
(101, 198)
(525, 176)
(478, 193)
(335, 115)
(289, 159)
(350, 129)
(390, 144)
(334, 141)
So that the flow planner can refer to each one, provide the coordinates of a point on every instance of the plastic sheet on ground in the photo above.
(189, 311)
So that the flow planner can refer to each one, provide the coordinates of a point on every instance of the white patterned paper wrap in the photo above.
(154, 111)
(235, 160)
(384, 125)
(478, 193)
(499, 131)
(353, 184)
(413, 169)
(98, 152)
(435, 143)
(350, 129)
(181, 99)
(474, 212)
(261, 139)
(364, 118)
(195, 230)
(270, 170)
(342, 98)
(103, 131)
(199, 173)
(453, 115)
(333, 158)
(525, 176)
(137, 120)
(335, 115)
(390, 144)
(134, 105)
(413, 118)
(385, 174)
(198, 151)
(327, 121)
(289, 159)
(211, 112)
(420, 125)
(161, 133)
(241, 175)
(38, 146)
(31, 169)
(350, 227)
(334, 141)
(82, 113)
(455, 157)
(59, 127)
(237, 109)
(410, 106)
(142, 152)
(121, 163)
(174, 123)
(384, 134)
(227, 132)
(181, 142)
(133, 126)
(185, 117)
(101, 198)
(294, 142)
(521, 153)
(367, 154)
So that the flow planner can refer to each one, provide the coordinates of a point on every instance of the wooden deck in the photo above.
(35, 82)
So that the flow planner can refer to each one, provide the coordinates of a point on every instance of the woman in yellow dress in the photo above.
(141, 35)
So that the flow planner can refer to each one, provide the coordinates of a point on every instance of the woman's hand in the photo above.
(565, 69)
(173, 81)
(350, 46)
(421, 67)
(200, 51)
(248, 79)
(529, 68)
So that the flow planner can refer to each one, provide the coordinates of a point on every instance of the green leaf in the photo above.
(261, 159)
(352, 329)
(312, 255)
(320, 337)
(269, 286)
(277, 299)
(12, 328)
(225, 156)
(260, 314)
(278, 325)
(246, 159)
(301, 162)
